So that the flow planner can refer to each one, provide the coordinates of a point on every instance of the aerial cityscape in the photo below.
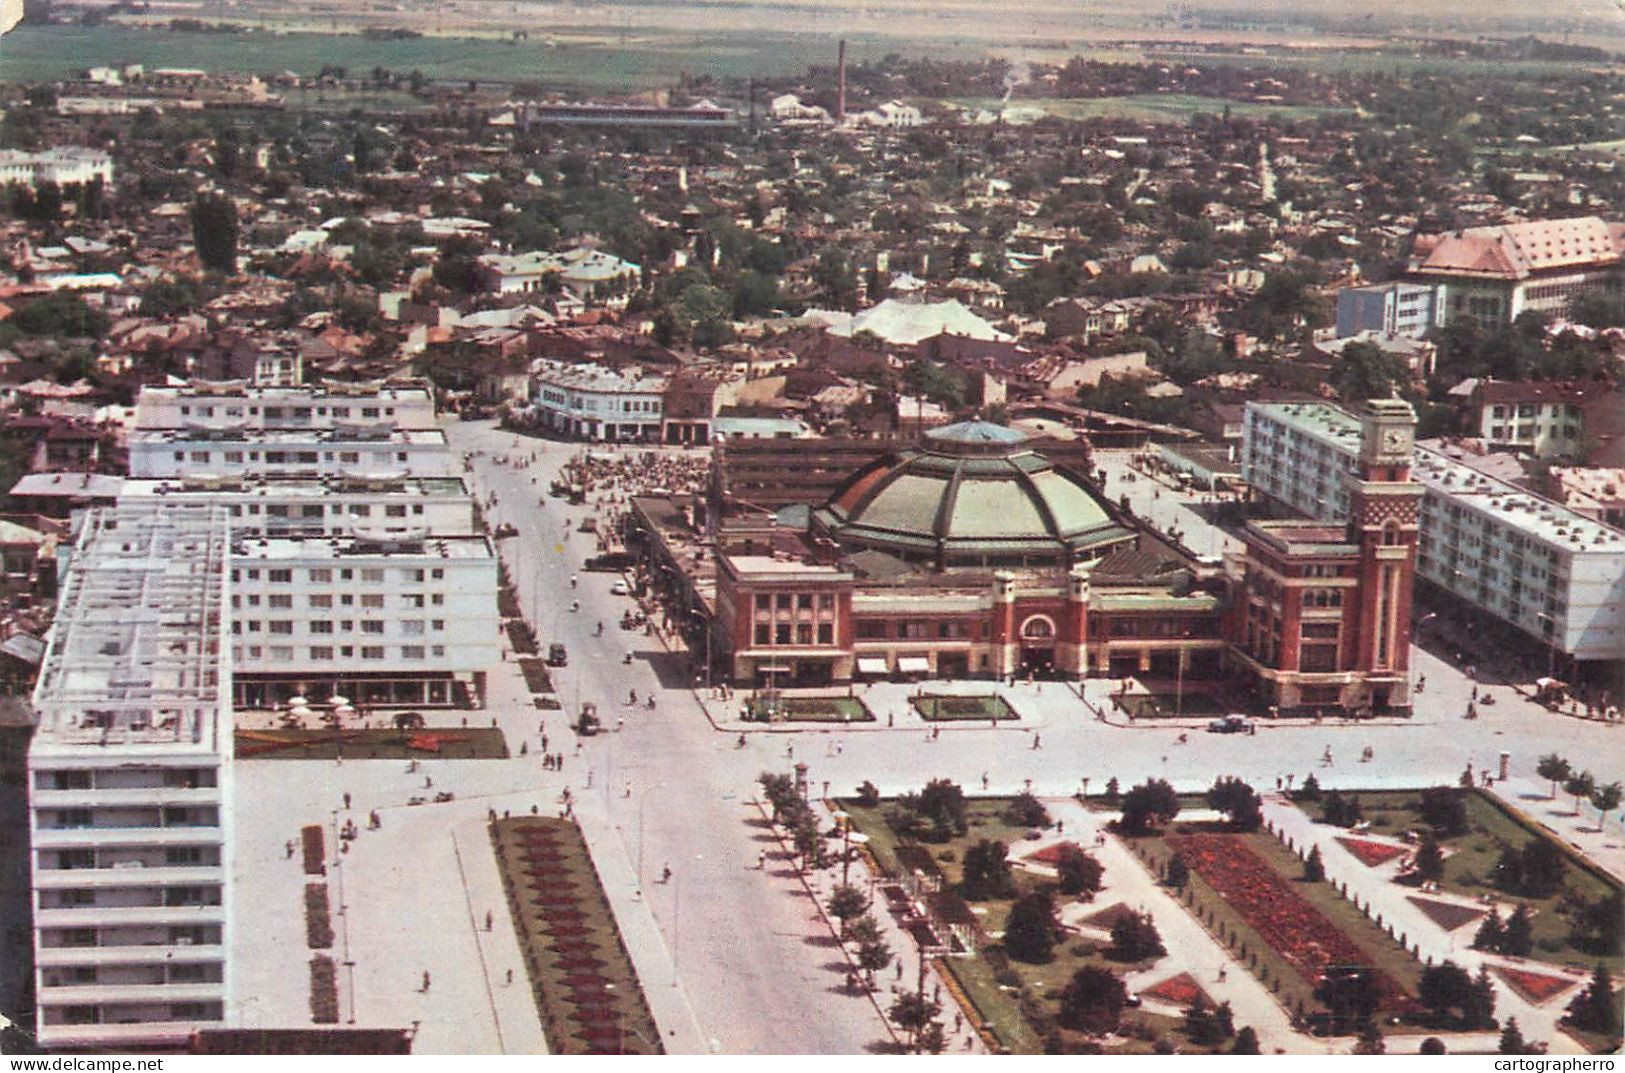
(807, 528)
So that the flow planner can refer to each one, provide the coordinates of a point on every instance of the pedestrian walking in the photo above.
(488, 920)
(289, 848)
(1038, 742)
(346, 800)
(425, 987)
(761, 861)
(984, 780)
(510, 978)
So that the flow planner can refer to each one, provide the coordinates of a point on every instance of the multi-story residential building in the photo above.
(231, 430)
(1492, 274)
(406, 622)
(1396, 308)
(592, 402)
(392, 507)
(236, 406)
(65, 165)
(1545, 418)
(129, 784)
(360, 568)
(587, 273)
(1535, 565)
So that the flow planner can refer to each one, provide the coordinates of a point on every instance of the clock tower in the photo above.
(1384, 507)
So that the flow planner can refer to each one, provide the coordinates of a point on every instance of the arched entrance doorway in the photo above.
(1038, 645)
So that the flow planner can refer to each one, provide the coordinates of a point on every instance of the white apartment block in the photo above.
(235, 406)
(129, 784)
(358, 566)
(66, 165)
(392, 623)
(297, 453)
(1549, 571)
(592, 402)
(377, 508)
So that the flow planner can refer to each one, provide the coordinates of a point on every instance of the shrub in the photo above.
(868, 794)
(318, 919)
(1135, 938)
(1079, 873)
(1093, 1001)
(1026, 811)
(1031, 930)
(986, 872)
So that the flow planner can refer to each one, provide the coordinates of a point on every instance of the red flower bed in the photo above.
(1536, 987)
(1181, 990)
(1371, 854)
(1052, 854)
(1269, 904)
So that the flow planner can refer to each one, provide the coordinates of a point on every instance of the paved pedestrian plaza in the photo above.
(730, 942)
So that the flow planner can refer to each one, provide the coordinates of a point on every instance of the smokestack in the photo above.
(840, 84)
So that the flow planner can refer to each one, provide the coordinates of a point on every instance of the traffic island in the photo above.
(462, 743)
(587, 992)
(962, 708)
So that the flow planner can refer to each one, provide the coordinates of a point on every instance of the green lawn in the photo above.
(1473, 856)
(952, 708)
(434, 743)
(1017, 999)
(839, 710)
(591, 60)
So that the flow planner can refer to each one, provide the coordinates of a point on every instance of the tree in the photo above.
(1443, 988)
(913, 1011)
(1026, 811)
(1078, 873)
(1605, 799)
(1147, 806)
(1309, 789)
(1093, 1001)
(1032, 928)
(873, 952)
(1314, 868)
(1480, 1009)
(1112, 792)
(1490, 934)
(808, 840)
(1178, 872)
(1517, 938)
(868, 794)
(1596, 926)
(986, 873)
(1432, 1045)
(1580, 787)
(1135, 938)
(938, 383)
(1597, 309)
(1442, 808)
(1351, 997)
(1596, 1009)
(1370, 1040)
(1246, 1041)
(1512, 1041)
(1238, 801)
(1429, 858)
(943, 803)
(1554, 769)
(59, 314)
(214, 231)
(1366, 371)
(846, 902)
(779, 790)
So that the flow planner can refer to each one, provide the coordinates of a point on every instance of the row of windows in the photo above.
(785, 633)
(289, 458)
(284, 627)
(276, 413)
(786, 601)
(324, 575)
(322, 653)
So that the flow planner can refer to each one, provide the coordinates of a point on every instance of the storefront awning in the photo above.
(772, 668)
(872, 665)
(913, 664)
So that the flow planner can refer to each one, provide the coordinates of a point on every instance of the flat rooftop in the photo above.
(293, 437)
(348, 547)
(134, 657)
(242, 389)
(1450, 472)
(299, 487)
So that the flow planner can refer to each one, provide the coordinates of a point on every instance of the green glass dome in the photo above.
(971, 494)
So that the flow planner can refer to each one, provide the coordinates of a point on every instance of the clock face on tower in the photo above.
(1396, 441)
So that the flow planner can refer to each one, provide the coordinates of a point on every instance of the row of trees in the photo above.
(1580, 785)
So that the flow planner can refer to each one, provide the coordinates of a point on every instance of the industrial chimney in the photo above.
(840, 84)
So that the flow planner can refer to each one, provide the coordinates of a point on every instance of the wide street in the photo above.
(741, 962)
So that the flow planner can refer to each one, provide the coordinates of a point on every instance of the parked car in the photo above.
(557, 655)
(619, 589)
(1230, 724)
(611, 561)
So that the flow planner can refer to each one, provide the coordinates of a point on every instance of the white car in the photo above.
(619, 589)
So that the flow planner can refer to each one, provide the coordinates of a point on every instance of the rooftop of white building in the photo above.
(134, 657)
(290, 437)
(1451, 473)
(296, 488)
(301, 549)
(600, 378)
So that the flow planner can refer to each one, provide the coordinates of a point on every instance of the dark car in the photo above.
(557, 655)
(610, 562)
(1230, 724)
